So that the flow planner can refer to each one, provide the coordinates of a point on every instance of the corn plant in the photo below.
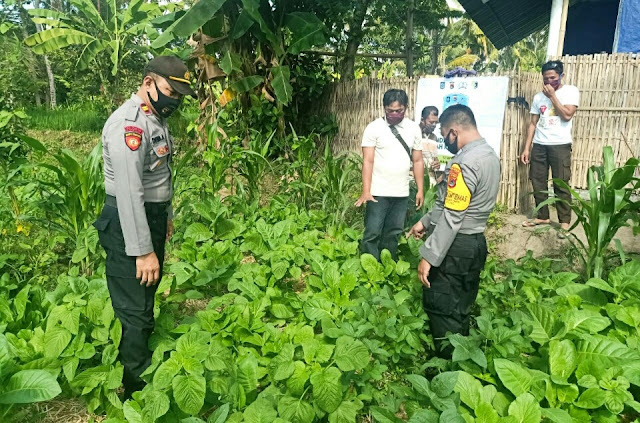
(610, 207)
(337, 179)
(71, 196)
(301, 172)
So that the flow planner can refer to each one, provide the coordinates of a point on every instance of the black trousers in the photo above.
(454, 288)
(383, 223)
(558, 158)
(132, 302)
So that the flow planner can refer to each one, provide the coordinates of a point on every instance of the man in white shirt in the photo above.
(428, 124)
(549, 131)
(390, 146)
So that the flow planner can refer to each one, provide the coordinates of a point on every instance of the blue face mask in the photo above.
(451, 146)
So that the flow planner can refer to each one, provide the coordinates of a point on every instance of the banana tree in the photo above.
(249, 43)
(104, 43)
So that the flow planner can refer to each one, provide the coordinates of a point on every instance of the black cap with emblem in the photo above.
(174, 71)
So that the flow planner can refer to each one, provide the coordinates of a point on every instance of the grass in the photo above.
(78, 119)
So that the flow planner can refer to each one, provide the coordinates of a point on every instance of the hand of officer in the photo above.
(417, 231)
(423, 272)
(435, 165)
(524, 158)
(169, 229)
(148, 269)
(364, 198)
(548, 90)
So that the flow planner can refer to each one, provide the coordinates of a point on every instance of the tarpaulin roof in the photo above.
(506, 22)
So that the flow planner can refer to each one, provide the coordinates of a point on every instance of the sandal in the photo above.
(532, 223)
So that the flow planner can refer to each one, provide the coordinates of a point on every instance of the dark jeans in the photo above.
(558, 157)
(132, 302)
(383, 223)
(454, 287)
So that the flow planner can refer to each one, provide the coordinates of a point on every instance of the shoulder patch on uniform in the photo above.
(133, 137)
(458, 194)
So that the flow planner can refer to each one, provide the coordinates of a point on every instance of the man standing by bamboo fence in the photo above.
(385, 174)
(549, 131)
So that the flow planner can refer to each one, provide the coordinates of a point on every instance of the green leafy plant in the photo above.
(610, 206)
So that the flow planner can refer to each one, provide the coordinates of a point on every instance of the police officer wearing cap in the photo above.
(137, 217)
(456, 250)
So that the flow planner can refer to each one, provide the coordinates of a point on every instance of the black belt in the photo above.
(159, 206)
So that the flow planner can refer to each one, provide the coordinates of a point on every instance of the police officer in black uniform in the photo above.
(137, 217)
(456, 250)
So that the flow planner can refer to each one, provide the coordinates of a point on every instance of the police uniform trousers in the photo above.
(132, 302)
(454, 288)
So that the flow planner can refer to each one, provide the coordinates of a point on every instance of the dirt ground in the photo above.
(508, 239)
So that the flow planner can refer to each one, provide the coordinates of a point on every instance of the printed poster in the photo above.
(485, 95)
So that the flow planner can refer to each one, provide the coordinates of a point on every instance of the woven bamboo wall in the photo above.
(609, 114)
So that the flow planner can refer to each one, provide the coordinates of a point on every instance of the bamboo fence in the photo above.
(609, 114)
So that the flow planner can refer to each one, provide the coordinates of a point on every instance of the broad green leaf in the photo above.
(260, 411)
(281, 84)
(283, 363)
(562, 358)
(55, 39)
(252, 8)
(421, 385)
(56, 340)
(247, 84)
(515, 378)
(116, 332)
(525, 409)
(372, 267)
(196, 16)
(295, 410)
(132, 411)
(345, 413)
(556, 415)
(591, 398)
(242, 25)
(28, 386)
(299, 378)
(485, 413)
(469, 388)
(586, 321)
(383, 415)
(317, 351)
(220, 415)
(248, 373)
(189, 392)
(193, 345)
(327, 389)
(317, 308)
(451, 415)
(306, 30)
(230, 62)
(601, 285)
(543, 323)
(350, 354)
(444, 383)
(616, 399)
(156, 405)
(425, 416)
(198, 232)
(604, 351)
(219, 357)
(166, 372)
(466, 349)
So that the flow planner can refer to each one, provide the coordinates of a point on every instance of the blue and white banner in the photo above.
(485, 95)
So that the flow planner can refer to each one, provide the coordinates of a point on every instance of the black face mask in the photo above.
(165, 105)
(451, 146)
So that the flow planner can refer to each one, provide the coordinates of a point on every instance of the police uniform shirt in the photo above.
(466, 196)
(137, 151)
